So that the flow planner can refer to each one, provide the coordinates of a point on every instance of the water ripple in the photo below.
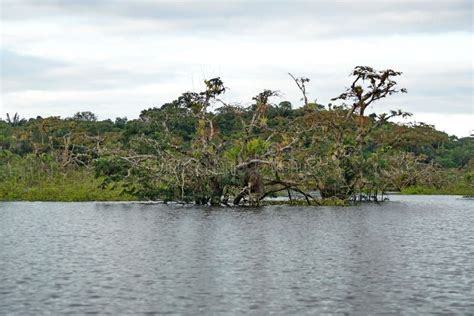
(410, 255)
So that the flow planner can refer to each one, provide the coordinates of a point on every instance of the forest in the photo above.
(199, 149)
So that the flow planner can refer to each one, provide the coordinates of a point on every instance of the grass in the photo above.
(69, 187)
(458, 189)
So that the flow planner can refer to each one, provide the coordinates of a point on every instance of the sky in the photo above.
(116, 58)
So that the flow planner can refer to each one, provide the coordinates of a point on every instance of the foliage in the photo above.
(40, 178)
(202, 150)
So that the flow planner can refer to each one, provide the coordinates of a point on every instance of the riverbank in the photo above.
(87, 190)
(74, 186)
(84, 187)
(458, 189)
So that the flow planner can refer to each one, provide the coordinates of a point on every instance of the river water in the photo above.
(414, 254)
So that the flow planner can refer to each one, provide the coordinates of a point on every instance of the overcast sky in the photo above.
(116, 58)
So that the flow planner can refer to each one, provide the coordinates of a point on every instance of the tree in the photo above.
(301, 84)
(15, 120)
(368, 86)
(85, 116)
(185, 152)
(347, 162)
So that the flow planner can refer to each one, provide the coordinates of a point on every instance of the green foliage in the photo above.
(70, 187)
(85, 116)
(455, 189)
(456, 182)
(199, 149)
(33, 178)
(255, 147)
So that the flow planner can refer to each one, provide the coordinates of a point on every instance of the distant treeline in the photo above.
(199, 149)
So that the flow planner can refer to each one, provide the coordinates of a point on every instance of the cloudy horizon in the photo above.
(116, 58)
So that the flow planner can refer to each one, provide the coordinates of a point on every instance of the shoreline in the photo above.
(302, 202)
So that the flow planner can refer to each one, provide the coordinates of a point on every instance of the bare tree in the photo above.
(301, 83)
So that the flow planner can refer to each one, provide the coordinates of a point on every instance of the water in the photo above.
(410, 255)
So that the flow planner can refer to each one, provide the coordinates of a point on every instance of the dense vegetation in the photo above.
(202, 150)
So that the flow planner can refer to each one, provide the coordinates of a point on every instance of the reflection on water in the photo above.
(413, 254)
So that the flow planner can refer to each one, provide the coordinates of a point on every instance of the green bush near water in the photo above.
(67, 188)
(39, 178)
(458, 189)
(456, 182)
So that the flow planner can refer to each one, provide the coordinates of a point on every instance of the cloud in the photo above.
(16, 65)
(301, 18)
(31, 73)
(118, 57)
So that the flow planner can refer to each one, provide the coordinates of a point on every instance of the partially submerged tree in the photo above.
(185, 152)
(343, 166)
(199, 149)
